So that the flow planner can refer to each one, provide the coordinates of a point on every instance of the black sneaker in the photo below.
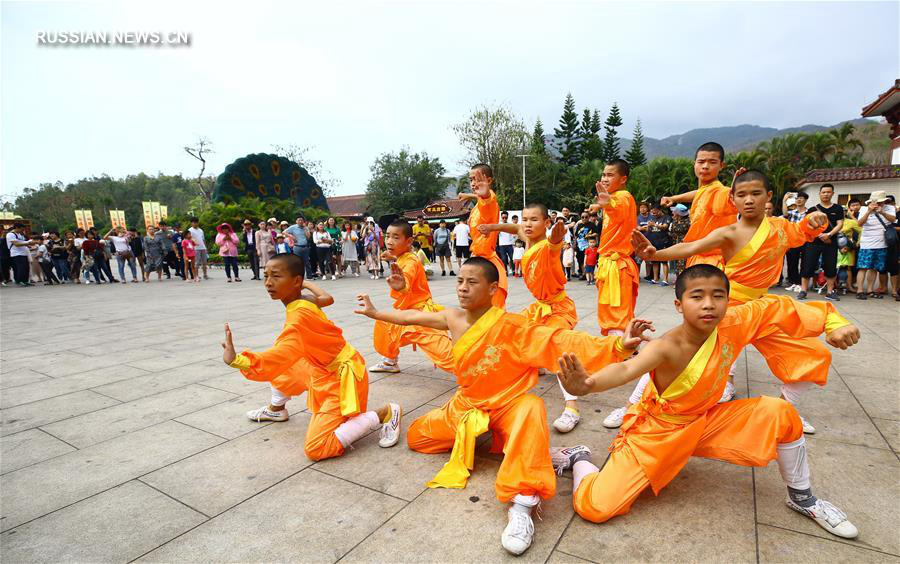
(801, 295)
(833, 296)
(861, 296)
(452, 273)
(443, 273)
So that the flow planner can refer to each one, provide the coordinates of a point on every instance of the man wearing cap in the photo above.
(301, 235)
(794, 210)
(877, 215)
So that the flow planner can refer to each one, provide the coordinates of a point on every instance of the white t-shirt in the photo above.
(197, 236)
(120, 243)
(518, 253)
(322, 239)
(78, 242)
(872, 236)
(506, 239)
(461, 232)
(16, 250)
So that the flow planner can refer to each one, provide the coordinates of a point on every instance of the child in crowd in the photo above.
(190, 255)
(518, 253)
(568, 258)
(590, 260)
(227, 240)
(281, 246)
(423, 258)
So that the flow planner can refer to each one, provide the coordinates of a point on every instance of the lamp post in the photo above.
(523, 179)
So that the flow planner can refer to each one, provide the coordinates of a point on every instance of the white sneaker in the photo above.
(828, 517)
(333, 277)
(562, 458)
(519, 532)
(807, 428)
(264, 414)
(386, 366)
(390, 431)
(567, 421)
(357, 274)
(727, 393)
(614, 419)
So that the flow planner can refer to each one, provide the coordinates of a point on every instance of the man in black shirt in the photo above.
(824, 246)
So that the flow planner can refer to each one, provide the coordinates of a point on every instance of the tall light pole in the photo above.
(523, 179)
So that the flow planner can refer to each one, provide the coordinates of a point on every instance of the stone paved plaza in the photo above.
(124, 438)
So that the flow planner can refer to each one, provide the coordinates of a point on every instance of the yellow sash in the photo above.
(350, 370)
(608, 271)
(743, 293)
(684, 382)
(455, 472)
(428, 305)
(544, 307)
(475, 332)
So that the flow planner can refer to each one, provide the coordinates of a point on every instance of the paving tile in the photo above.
(37, 490)
(689, 504)
(228, 419)
(846, 475)
(462, 525)
(223, 476)
(233, 382)
(19, 377)
(117, 525)
(344, 515)
(779, 545)
(558, 557)
(105, 424)
(150, 384)
(408, 390)
(891, 431)
(877, 396)
(46, 411)
(68, 384)
(176, 360)
(29, 447)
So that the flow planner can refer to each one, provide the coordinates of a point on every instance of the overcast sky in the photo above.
(353, 79)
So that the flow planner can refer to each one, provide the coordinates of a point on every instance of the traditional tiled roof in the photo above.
(886, 100)
(454, 206)
(347, 206)
(850, 174)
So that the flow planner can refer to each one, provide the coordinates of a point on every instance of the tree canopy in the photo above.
(403, 181)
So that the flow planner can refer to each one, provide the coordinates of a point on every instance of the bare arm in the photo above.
(467, 196)
(685, 198)
(646, 251)
(576, 380)
(435, 320)
(319, 296)
(510, 228)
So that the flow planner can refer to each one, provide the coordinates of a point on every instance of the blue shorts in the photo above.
(589, 269)
(874, 259)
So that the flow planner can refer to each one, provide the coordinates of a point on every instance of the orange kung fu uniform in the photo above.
(497, 361)
(310, 355)
(712, 208)
(546, 281)
(751, 271)
(664, 430)
(416, 295)
(616, 273)
(487, 212)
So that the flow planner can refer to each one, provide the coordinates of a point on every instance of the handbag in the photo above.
(890, 234)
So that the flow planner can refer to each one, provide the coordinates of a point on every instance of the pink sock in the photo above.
(581, 469)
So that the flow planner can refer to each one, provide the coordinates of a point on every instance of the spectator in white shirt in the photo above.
(124, 254)
(201, 257)
(18, 252)
(461, 242)
(505, 244)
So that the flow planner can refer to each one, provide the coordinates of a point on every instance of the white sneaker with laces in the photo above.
(727, 393)
(519, 532)
(386, 366)
(828, 517)
(264, 414)
(567, 420)
(614, 419)
(390, 431)
(562, 457)
(807, 428)
(333, 277)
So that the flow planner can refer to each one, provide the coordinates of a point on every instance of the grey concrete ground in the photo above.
(124, 438)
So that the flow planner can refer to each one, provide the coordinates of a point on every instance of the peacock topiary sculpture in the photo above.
(262, 175)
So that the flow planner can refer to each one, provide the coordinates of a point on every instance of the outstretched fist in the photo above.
(483, 229)
(667, 201)
(843, 337)
(634, 332)
(365, 306)
(817, 219)
(229, 353)
(642, 246)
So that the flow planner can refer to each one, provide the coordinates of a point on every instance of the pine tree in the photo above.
(635, 155)
(537, 139)
(611, 142)
(567, 133)
(592, 145)
(585, 124)
(595, 123)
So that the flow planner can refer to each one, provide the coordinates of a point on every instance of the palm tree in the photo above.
(846, 148)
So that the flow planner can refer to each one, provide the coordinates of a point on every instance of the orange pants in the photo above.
(744, 432)
(321, 442)
(435, 344)
(519, 430)
(714, 259)
(617, 317)
(503, 287)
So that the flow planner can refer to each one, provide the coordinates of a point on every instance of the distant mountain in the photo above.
(733, 138)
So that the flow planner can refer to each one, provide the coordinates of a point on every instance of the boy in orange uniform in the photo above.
(546, 280)
(753, 249)
(497, 356)
(409, 289)
(711, 205)
(679, 415)
(310, 355)
(486, 211)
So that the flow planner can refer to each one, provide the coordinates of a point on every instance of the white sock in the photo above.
(793, 391)
(638, 391)
(353, 429)
(391, 361)
(792, 464)
(581, 469)
(524, 503)
(566, 395)
(278, 399)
